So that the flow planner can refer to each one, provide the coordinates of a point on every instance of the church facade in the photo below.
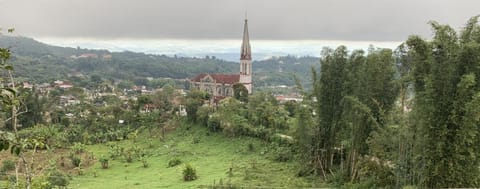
(221, 85)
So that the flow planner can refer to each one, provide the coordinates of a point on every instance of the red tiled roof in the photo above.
(198, 77)
(220, 78)
(228, 79)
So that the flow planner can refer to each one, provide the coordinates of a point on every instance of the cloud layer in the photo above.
(349, 20)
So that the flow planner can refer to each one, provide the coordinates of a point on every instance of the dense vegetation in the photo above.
(380, 118)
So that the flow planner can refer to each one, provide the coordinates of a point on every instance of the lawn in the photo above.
(242, 161)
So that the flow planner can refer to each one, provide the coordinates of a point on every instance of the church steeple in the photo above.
(246, 53)
(246, 61)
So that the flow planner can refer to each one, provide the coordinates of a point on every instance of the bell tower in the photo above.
(246, 61)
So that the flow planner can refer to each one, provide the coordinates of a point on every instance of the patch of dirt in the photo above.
(43, 159)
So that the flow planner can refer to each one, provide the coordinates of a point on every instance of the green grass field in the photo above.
(213, 155)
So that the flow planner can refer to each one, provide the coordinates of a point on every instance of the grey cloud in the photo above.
(374, 20)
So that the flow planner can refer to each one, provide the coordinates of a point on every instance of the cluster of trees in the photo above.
(409, 117)
(259, 115)
(354, 93)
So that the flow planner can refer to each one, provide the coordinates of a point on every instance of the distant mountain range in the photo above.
(39, 62)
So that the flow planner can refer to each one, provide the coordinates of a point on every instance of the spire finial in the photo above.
(246, 15)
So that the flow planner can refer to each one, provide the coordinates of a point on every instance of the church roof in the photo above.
(246, 53)
(219, 78)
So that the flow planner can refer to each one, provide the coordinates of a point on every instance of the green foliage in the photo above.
(115, 150)
(104, 162)
(4, 144)
(328, 89)
(56, 178)
(282, 153)
(203, 115)
(144, 162)
(446, 82)
(7, 165)
(174, 162)
(193, 101)
(375, 172)
(240, 92)
(189, 173)
(76, 160)
(78, 148)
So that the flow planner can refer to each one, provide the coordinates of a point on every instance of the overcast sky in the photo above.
(350, 20)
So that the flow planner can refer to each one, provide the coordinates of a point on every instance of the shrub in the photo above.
(57, 179)
(195, 140)
(282, 154)
(144, 161)
(7, 165)
(75, 160)
(115, 150)
(78, 148)
(128, 155)
(376, 172)
(251, 147)
(104, 162)
(174, 162)
(189, 173)
(213, 123)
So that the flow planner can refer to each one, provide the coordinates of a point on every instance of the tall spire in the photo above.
(246, 53)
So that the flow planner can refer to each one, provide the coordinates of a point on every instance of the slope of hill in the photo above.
(38, 62)
(237, 161)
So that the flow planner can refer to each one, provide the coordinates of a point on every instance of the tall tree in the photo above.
(328, 90)
(446, 106)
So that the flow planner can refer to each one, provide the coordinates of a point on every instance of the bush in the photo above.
(128, 155)
(213, 123)
(78, 148)
(57, 179)
(115, 150)
(75, 160)
(144, 162)
(7, 165)
(251, 147)
(376, 172)
(282, 153)
(174, 162)
(104, 162)
(195, 140)
(189, 173)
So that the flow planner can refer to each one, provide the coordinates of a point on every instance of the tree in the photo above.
(446, 75)
(328, 90)
(240, 92)
(193, 101)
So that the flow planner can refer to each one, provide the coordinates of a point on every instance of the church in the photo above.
(221, 85)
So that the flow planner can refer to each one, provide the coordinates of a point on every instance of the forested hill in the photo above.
(38, 62)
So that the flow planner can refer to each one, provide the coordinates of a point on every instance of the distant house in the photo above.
(66, 85)
(68, 100)
(287, 98)
(221, 85)
(107, 56)
(27, 85)
(88, 55)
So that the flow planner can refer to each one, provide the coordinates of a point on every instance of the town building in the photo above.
(221, 85)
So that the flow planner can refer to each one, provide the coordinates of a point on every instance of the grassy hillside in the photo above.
(241, 161)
